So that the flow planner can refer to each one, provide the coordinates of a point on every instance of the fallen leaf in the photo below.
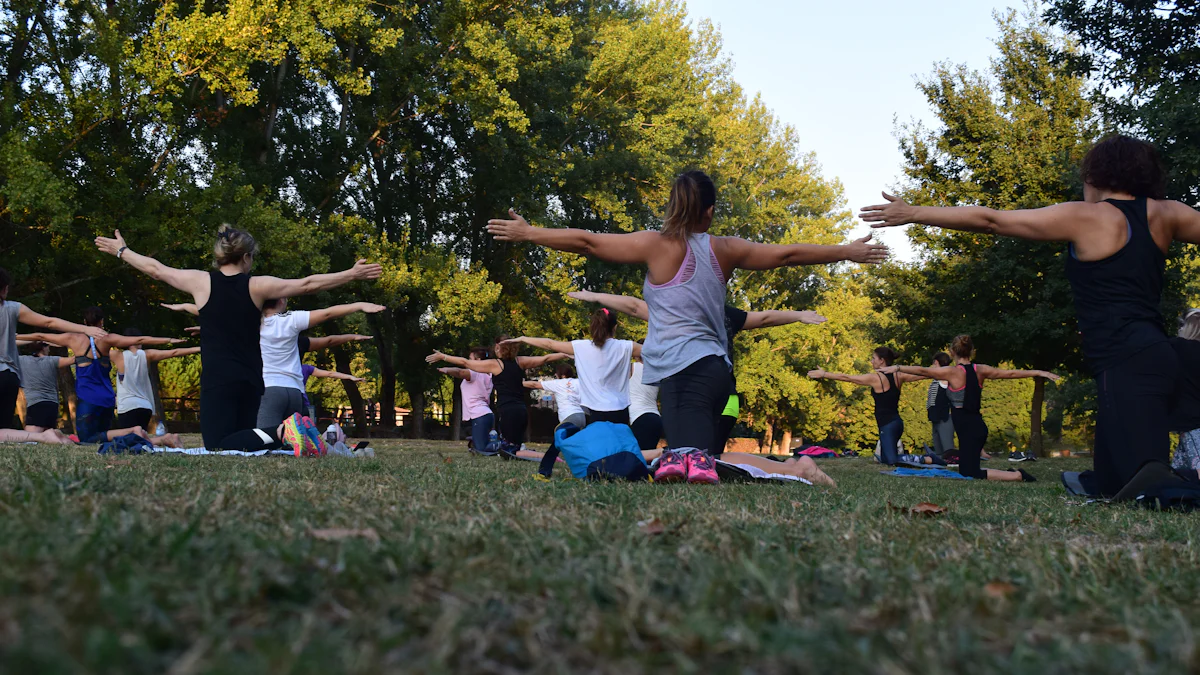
(999, 590)
(652, 527)
(118, 462)
(339, 533)
(513, 481)
(796, 505)
(926, 509)
(449, 460)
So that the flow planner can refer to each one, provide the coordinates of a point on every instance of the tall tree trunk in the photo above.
(341, 360)
(785, 443)
(456, 411)
(1035, 416)
(273, 111)
(66, 386)
(387, 369)
(156, 390)
(768, 438)
(416, 419)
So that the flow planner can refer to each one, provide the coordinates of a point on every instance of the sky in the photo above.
(844, 73)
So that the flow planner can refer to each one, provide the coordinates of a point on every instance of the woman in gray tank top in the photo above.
(685, 352)
(39, 379)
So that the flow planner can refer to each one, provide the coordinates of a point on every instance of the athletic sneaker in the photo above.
(701, 468)
(1022, 457)
(672, 467)
(294, 435)
(1026, 476)
(934, 460)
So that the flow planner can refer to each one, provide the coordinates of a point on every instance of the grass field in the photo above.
(463, 564)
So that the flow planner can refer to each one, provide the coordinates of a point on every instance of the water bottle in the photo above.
(331, 434)
(161, 429)
(492, 437)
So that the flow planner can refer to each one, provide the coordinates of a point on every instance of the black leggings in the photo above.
(1132, 416)
(647, 429)
(514, 417)
(226, 409)
(614, 416)
(692, 400)
(725, 424)
(10, 384)
(972, 435)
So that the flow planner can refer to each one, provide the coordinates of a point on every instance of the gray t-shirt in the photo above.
(39, 378)
(9, 358)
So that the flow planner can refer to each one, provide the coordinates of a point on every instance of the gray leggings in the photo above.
(943, 437)
(278, 404)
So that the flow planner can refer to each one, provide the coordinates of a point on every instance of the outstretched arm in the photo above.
(531, 362)
(861, 380)
(546, 344)
(1185, 221)
(990, 373)
(1061, 222)
(318, 343)
(31, 318)
(459, 373)
(748, 255)
(632, 248)
(773, 318)
(635, 307)
(334, 375)
(55, 339)
(163, 354)
(187, 307)
(533, 384)
(337, 311)
(193, 282)
(490, 366)
(952, 374)
(265, 288)
(124, 342)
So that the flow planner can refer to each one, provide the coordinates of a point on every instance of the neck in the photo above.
(231, 269)
(1101, 195)
(961, 360)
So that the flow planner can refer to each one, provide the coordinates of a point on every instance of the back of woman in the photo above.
(133, 387)
(603, 374)
(509, 384)
(476, 394)
(229, 333)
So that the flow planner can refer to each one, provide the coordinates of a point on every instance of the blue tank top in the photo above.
(92, 382)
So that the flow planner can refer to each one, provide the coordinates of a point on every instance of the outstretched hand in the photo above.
(95, 332)
(176, 341)
(888, 370)
(817, 374)
(372, 308)
(516, 340)
(363, 338)
(582, 296)
(811, 317)
(863, 251)
(364, 270)
(1051, 376)
(111, 246)
(356, 379)
(175, 306)
(894, 213)
(435, 357)
(192, 330)
(515, 228)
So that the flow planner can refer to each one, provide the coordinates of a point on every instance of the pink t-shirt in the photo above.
(475, 395)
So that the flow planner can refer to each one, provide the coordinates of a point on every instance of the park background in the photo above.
(393, 131)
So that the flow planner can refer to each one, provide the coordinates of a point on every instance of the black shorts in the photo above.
(138, 417)
(44, 415)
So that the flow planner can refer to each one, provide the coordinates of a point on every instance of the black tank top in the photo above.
(973, 392)
(510, 383)
(887, 404)
(1118, 300)
(229, 325)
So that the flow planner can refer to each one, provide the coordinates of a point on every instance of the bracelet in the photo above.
(121, 251)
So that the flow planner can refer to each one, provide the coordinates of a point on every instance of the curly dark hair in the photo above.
(1124, 164)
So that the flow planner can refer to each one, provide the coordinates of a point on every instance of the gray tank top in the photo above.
(39, 379)
(133, 388)
(687, 316)
(9, 358)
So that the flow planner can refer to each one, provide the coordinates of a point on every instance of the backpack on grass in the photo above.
(600, 451)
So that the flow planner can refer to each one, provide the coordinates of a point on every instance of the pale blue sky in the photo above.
(842, 73)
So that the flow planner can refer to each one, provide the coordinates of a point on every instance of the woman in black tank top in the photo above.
(230, 304)
(885, 389)
(1117, 238)
(967, 377)
(508, 381)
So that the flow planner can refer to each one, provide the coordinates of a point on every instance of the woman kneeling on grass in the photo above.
(966, 391)
(885, 389)
(685, 352)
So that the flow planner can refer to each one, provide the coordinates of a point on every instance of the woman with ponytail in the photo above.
(965, 391)
(603, 363)
(230, 303)
(686, 269)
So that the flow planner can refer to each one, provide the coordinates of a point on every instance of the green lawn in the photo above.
(195, 565)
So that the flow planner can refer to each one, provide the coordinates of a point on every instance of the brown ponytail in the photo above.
(232, 245)
(962, 347)
(603, 326)
(692, 194)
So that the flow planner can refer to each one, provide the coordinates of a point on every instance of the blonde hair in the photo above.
(692, 194)
(232, 245)
(1189, 325)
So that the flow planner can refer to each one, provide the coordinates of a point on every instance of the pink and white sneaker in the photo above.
(672, 467)
(701, 468)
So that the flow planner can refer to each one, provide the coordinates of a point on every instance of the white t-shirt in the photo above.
(566, 397)
(643, 398)
(280, 355)
(603, 374)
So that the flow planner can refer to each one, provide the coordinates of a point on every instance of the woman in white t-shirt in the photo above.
(603, 363)
(566, 395)
(476, 392)
(284, 393)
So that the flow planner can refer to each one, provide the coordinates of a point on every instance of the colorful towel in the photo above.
(931, 472)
